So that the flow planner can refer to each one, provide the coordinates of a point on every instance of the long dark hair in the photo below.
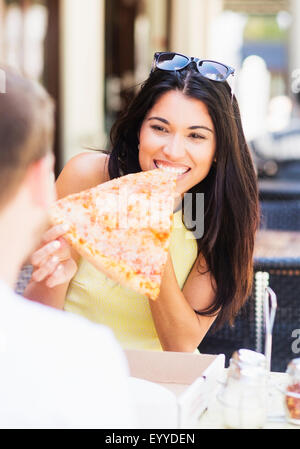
(230, 189)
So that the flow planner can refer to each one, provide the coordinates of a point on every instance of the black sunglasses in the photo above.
(213, 70)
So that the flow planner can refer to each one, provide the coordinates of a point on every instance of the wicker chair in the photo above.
(229, 339)
(280, 214)
(283, 276)
(23, 279)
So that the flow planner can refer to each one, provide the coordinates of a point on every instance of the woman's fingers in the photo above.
(59, 248)
(63, 273)
(45, 252)
(51, 242)
(55, 272)
(46, 269)
(53, 262)
(55, 232)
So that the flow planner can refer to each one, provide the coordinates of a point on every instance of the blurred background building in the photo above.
(89, 53)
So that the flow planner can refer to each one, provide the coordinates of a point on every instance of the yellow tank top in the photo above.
(126, 312)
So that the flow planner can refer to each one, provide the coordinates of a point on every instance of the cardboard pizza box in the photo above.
(172, 389)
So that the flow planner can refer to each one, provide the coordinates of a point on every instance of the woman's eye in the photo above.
(196, 136)
(159, 128)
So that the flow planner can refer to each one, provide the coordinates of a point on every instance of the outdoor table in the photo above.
(212, 417)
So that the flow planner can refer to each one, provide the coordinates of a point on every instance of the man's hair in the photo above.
(26, 129)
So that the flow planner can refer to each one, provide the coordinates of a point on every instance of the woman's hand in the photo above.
(53, 263)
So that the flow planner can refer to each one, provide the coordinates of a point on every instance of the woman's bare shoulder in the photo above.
(83, 171)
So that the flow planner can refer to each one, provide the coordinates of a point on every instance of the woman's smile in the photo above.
(180, 170)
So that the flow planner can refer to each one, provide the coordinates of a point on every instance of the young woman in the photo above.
(185, 119)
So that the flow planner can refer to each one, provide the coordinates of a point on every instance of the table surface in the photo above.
(212, 417)
(272, 244)
(284, 184)
(270, 188)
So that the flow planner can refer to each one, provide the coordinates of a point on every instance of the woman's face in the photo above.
(178, 135)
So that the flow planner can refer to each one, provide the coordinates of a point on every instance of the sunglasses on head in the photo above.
(170, 62)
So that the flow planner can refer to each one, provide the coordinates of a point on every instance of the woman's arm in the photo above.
(178, 327)
(55, 267)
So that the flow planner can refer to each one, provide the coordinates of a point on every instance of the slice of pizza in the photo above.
(123, 227)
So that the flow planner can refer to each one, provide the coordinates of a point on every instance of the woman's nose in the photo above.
(174, 149)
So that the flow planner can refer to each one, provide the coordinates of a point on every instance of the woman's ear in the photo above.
(138, 140)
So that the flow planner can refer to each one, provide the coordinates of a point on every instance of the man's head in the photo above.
(26, 130)
(26, 160)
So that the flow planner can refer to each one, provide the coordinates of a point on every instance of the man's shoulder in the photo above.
(52, 357)
(56, 327)
(35, 326)
(62, 319)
